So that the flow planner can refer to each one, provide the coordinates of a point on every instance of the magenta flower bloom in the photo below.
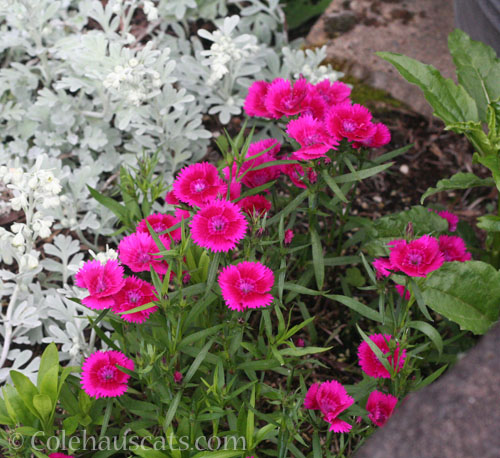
(255, 178)
(100, 376)
(288, 237)
(311, 136)
(401, 290)
(453, 248)
(161, 222)
(300, 342)
(333, 93)
(380, 407)
(254, 103)
(198, 184)
(350, 121)
(218, 226)
(139, 252)
(178, 377)
(417, 258)
(60, 455)
(246, 285)
(171, 199)
(371, 364)
(135, 292)
(331, 399)
(380, 137)
(255, 205)
(284, 99)
(102, 282)
(451, 218)
(383, 267)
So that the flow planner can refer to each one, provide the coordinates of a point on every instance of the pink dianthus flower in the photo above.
(383, 267)
(255, 205)
(178, 377)
(218, 226)
(350, 121)
(331, 399)
(403, 292)
(312, 136)
(135, 292)
(284, 99)
(161, 222)
(453, 248)
(100, 376)
(288, 237)
(380, 137)
(255, 101)
(370, 363)
(102, 282)
(198, 184)
(451, 218)
(380, 407)
(246, 285)
(416, 258)
(254, 178)
(171, 199)
(139, 252)
(333, 93)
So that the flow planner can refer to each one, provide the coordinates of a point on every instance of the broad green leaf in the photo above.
(478, 69)
(458, 181)
(50, 358)
(70, 424)
(49, 383)
(490, 223)
(43, 406)
(450, 102)
(492, 162)
(26, 390)
(430, 332)
(466, 293)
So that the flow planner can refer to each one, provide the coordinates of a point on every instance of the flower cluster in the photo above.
(421, 256)
(331, 397)
(35, 192)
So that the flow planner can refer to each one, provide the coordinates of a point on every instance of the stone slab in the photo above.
(458, 416)
(354, 30)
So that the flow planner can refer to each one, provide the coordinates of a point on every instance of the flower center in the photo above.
(415, 258)
(144, 257)
(199, 185)
(134, 296)
(349, 125)
(107, 373)
(246, 286)
(218, 223)
(159, 227)
(101, 285)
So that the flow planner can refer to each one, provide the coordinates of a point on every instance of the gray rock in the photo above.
(339, 22)
(456, 417)
(416, 28)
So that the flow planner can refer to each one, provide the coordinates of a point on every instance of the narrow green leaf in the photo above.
(119, 210)
(430, 332)
(358, 307)
(317, 255)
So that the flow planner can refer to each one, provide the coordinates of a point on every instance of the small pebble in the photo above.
(404, 169)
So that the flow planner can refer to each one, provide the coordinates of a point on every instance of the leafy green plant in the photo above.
(471, 107)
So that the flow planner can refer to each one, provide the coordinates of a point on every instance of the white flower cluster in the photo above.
(226, 50)
(135, 80)
(35, 192)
